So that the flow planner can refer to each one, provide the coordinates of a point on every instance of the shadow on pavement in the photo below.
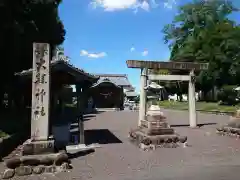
(81, 153)
(100, 136)
(199, 125)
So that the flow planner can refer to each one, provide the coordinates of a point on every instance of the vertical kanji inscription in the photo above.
(40, 90)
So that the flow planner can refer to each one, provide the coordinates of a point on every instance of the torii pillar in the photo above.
(143, 96)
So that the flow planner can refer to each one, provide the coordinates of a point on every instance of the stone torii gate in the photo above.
(145, 65)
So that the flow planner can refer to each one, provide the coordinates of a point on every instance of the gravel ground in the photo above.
(208, 156)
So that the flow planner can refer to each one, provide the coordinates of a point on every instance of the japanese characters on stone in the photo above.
(40, 72)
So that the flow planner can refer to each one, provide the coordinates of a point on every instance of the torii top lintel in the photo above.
(167, 65)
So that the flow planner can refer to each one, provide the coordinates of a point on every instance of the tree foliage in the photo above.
(202, 32)
(22, 23)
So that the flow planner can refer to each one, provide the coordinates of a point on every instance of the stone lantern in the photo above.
(156, 121)
(154, 131)
(155, 112)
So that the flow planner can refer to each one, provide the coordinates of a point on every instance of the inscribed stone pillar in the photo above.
(80, 106)
(143, 96)
(192, 101)
(40, 92)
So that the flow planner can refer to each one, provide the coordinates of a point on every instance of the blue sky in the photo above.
(103, 34)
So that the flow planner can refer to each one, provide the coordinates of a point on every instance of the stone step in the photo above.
(152, 118)
(157, 131)
(139, 136)
(34, 160)
(38, 147)
(155, 124)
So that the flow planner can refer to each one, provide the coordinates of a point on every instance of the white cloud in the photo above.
(97, 55)
(92, 55)
(169, 4)
(83, 53)
(145, 52)
(132, 49)
(113, 5)
(145, 5)
(154, 3)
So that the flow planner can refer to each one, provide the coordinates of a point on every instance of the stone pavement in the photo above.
(209, 156)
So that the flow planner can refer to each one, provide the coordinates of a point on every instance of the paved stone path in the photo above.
(209, 156)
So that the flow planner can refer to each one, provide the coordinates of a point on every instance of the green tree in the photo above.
(202, 32)
(22, 23)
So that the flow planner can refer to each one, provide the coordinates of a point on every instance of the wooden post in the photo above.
(192, 101)
(81, 128)
(80, 103)
(143, 96)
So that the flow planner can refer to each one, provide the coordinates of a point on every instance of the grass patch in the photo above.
(200, 106)
(3, 134)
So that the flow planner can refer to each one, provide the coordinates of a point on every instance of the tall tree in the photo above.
(22, 23)
(202, 32)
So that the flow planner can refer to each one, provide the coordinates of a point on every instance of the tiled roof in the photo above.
(100, 81)
(117, 79)
(60, 62)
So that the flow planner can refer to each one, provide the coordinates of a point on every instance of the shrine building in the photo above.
(108, 91)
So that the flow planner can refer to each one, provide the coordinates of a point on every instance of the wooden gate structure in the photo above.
(189, 66)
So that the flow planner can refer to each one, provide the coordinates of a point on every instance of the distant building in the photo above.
(131, 95)
(108, 91)
(118, 79)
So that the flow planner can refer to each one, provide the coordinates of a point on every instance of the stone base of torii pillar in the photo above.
(155, 132)
(232, 128)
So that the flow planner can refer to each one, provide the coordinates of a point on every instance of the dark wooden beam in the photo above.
(167, 65)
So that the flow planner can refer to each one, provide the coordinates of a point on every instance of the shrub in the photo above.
(136, 99)
(3, 134)
(227, 95)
